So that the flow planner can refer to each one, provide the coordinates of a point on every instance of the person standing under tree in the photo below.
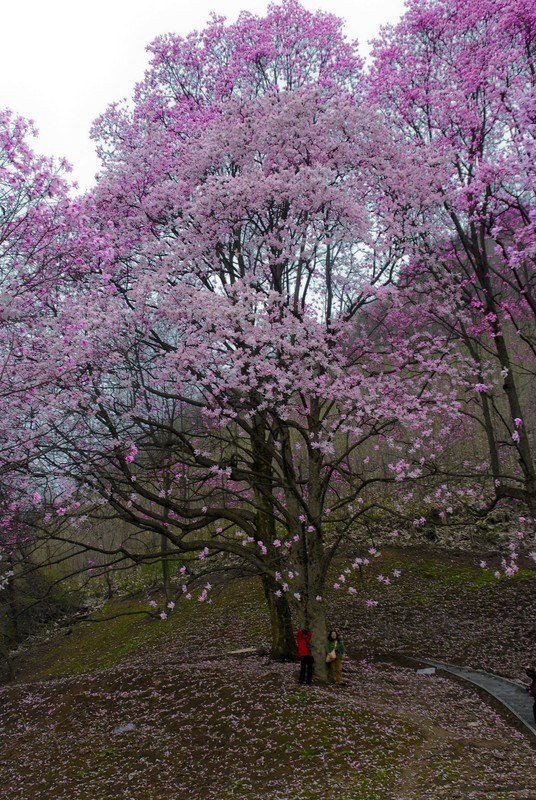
(303, 643)
(335, 652)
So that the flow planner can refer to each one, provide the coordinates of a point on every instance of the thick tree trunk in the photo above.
(282, 631)
(315, 610)
(309, 554)
(315, 620)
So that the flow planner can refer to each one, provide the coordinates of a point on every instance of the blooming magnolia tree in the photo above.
(243, 372)
(455, 79)
(34, 209)
(34, 213)
(282, 294)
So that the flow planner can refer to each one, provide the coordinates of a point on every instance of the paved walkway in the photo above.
(510, 693)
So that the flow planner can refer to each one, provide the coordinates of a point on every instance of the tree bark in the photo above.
(314, 555)
(315, 620)
(283, 643)
(282, 631)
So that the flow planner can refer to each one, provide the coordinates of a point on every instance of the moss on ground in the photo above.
(124, 628)
(181, 695)
(471, 577)
(237, 612)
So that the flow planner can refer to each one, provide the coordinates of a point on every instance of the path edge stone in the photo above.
(449, 669)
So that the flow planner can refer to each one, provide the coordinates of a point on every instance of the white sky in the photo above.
(63, 61)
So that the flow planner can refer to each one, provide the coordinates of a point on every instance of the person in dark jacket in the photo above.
(531, 672)
(303, 643)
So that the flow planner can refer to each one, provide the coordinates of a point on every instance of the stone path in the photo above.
(510, 693)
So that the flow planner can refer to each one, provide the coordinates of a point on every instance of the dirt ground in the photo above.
(137, 709)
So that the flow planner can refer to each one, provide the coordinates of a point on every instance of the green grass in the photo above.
(99, 645)
(238, 618)
(123, 632)
(458, 575)
(238, 611)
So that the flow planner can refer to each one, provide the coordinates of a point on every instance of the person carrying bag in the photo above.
(335, 652)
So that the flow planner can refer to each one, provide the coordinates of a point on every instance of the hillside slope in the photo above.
(136, 709)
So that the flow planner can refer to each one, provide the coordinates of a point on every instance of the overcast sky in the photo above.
(63, 61)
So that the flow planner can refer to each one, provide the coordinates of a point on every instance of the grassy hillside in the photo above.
(145, 710)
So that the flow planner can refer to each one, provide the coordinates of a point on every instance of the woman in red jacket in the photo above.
(303, 643)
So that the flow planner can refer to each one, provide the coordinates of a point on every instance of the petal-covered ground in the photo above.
(140, 709)
(226, 728)
(445, 608)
